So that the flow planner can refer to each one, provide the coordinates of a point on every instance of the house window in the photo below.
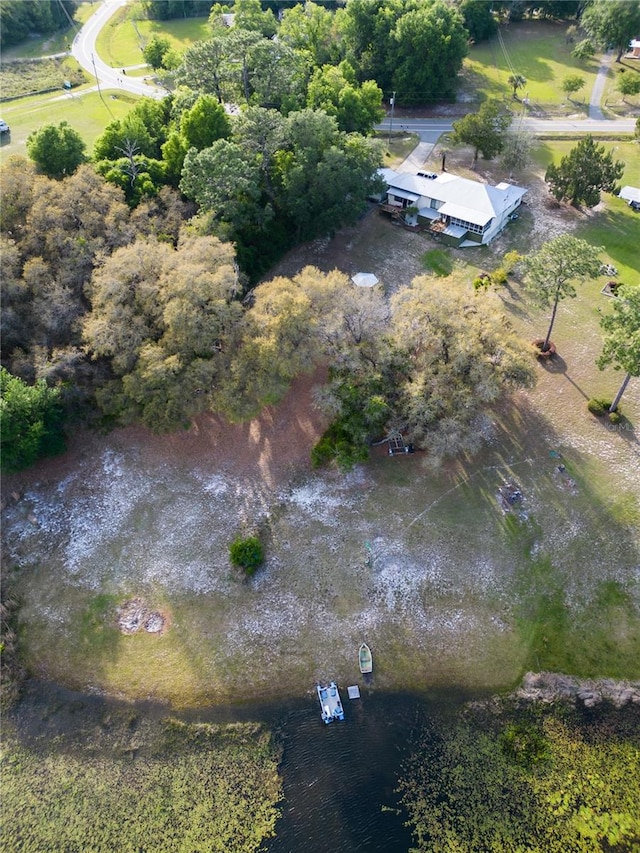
(433, 203)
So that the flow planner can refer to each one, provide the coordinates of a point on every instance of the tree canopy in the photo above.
(167, 320)
(443, 358)
(57, 150)
(31, 422)
(484, 130)
(586, 171)
(612, 24)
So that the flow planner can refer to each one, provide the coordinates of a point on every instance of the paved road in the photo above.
(430, 129)
(84, 51)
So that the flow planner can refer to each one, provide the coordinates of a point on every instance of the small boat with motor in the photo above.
(330, 703)
(365, 659)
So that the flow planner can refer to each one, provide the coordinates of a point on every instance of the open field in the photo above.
(538, 50)
(86, 112)
(123, 39)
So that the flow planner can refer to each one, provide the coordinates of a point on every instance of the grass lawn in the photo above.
(616, 227)
(87, 113)
(397, 147)
(122, 40)
(612, 97)
(537, 50)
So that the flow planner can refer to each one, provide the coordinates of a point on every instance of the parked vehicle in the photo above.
(4, 127)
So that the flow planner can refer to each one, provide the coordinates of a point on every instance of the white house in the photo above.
(462, 212)
(634, 49)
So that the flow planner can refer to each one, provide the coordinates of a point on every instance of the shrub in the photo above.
(598, 407)
(247, 553)
(615, 417)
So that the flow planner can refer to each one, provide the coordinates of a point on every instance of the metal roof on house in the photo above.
(468, 200)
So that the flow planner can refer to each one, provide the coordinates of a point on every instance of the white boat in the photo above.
(330, 704)
(364, 659)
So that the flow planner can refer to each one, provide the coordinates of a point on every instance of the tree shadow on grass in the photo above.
(556, 364)
(567, 537)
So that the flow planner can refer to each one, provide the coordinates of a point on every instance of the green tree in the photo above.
(366, 28)
(584, 50)
(516, 81)
(461, 356)
(155, 51)
(249, 16)
(622, 338)
(277, 76)
(247, 553)
(335, 90)
(429, 45)
(478, 18)
(550, 273)
(612, 24)
(572, 83)
(20, 19)
(204, 122)
(57, 150)
(31, 422)
(628, 85)
(202, 68)
(584, 173)
(309, 29)
(224, 180)
(484, 130)
(167, 320)
(137, 176)
(516, 152)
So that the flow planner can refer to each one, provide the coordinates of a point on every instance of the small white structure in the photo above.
(631, 195)
(634, 49)
(460, 211)
(364, 279)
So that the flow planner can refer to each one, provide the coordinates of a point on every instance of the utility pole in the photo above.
(393, 103)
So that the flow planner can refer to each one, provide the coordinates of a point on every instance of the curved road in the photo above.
(84, 51)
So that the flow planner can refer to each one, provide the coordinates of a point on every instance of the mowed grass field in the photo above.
(614, 226)
(539, 51)
(86, 112)
(122, 40)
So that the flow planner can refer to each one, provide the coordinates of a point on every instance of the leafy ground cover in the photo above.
(120, 781)
(539, 51)
(528, 778)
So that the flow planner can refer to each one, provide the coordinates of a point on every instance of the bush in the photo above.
(615, 417)
(247, 553)
(598, 407)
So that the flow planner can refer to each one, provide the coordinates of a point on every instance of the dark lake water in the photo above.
(339, 780)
